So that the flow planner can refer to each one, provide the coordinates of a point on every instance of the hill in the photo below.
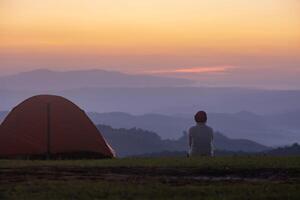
(292, 150)
(2, 115)
(108, 91)
(55, 80)
(130, 142)
(273, 129)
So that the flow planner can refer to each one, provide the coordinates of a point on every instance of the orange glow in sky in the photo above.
(139, 26)
(201, 69)
(142, 35)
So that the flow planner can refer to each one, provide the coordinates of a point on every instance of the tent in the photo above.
(48, 126)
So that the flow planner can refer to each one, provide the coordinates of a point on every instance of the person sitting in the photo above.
(201, 137)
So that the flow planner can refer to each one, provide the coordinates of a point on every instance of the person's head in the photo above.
(201, 117)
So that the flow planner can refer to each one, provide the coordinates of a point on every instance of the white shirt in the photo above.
(201, 137)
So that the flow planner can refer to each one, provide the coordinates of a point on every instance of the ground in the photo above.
(248, 177)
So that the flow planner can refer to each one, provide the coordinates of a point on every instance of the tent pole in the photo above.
(48, 131)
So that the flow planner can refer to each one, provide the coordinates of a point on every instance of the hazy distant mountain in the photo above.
(167, 127)
(269, 130)
(53, 80)
(288, 120)
(273, 129)
(292, 150)
(129, 142)
(2, 116)
(185, 100)
(168, 100)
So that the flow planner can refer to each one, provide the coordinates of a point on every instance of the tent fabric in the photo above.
(50, 125)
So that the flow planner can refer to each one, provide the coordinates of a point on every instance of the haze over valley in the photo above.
(164, 105)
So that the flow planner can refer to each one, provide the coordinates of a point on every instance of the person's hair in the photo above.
(201, 117)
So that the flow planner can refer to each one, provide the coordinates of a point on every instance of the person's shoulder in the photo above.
(210, 128)
(192, 128)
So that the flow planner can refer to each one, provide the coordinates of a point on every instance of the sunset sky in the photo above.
(218, 42)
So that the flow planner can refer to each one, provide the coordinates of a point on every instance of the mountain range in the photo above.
(131, 142)
(271, 130)
(136, 141)
(2, 116)
(269, 117)
(48, 80)
(290, 150)
(103, 91)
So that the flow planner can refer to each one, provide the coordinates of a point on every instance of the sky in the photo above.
(216, 42)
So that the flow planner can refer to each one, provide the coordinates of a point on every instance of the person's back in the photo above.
(201, 137)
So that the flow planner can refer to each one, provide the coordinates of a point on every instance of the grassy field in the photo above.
(253, 177)
(244, 162)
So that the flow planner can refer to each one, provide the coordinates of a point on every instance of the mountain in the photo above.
(130, 142)
(167, 127)
(106, 91)
(45, 80)
(292, 150)
(2, 115)
(185, 100)
(164, 100)
(271, 130)
(133, 141)
(288, 120)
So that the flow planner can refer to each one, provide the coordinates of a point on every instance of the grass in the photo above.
(90, 184)
(235, 162)
(107, 190)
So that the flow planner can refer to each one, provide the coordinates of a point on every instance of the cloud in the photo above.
(201, 69)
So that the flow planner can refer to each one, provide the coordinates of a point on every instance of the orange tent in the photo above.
(51, 126)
